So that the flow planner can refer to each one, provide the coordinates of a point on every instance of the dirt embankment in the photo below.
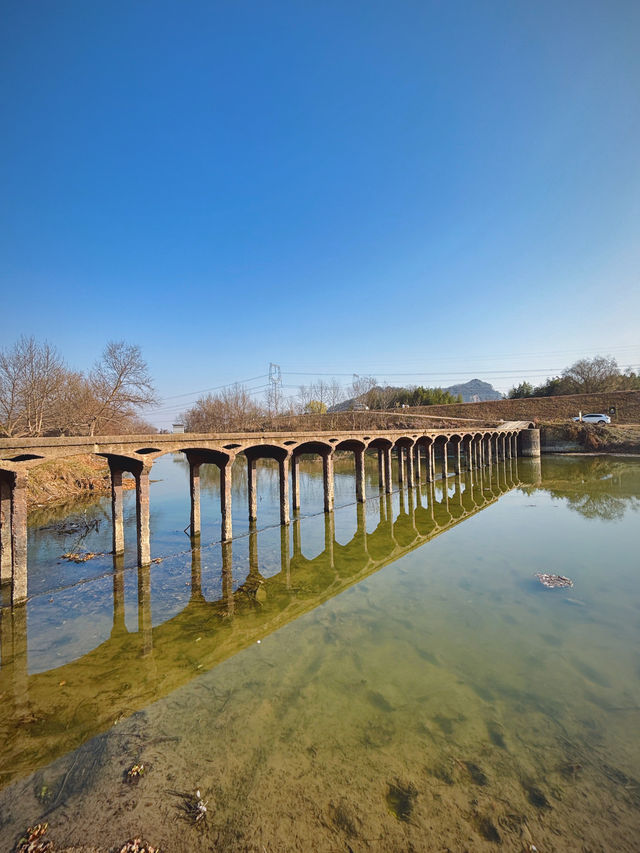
(59, 480)
(627, 405)
(589, 438)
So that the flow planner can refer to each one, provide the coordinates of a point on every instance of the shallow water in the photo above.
(390, 677)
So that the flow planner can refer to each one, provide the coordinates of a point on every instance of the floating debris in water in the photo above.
(34, 842)
(554, 581)
(77, 557)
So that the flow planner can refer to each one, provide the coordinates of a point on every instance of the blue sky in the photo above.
(442, 189)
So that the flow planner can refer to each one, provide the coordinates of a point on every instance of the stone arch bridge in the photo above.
(415, 450)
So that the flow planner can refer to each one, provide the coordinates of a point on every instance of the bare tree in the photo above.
(31, 378)
(120, 384)
(231, 409)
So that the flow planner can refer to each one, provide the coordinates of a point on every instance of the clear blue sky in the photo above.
(441, 188)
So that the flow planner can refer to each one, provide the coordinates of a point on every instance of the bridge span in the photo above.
(415, 451)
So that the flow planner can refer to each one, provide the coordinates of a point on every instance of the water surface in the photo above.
(389, 677)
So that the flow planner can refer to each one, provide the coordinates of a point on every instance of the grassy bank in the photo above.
(63, 479)
(546, 409)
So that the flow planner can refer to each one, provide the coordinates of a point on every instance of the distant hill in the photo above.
(475, 391)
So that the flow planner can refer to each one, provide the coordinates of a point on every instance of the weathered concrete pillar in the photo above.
(489, 459)
(225, 501)
(283, 465)
(117, 511)
(400, 452)
(388, 472)
(457, 463)
(295, 483)
(194, 495)
(445, 461)
(19, 537)
(144, 607)
(530, 443)
(142, 516)
(514, 438)
(418, 464)
(428, 461)
(411, 471)
(361, 494)
(6, 558)
(252, 488)
(381, 471)
(508, 446)
(327, 480)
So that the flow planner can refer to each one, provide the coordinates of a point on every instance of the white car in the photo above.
(594, 419)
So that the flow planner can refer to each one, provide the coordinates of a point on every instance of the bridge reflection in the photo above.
(47, 714)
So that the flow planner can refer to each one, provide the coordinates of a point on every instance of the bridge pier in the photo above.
(445, 461)
(418, 464)
(456, 459)
(530, 443)
(225, 500)
(6, 555)
(13, 533)
(194, 496)
(411, 472)
(283, 466)
(388, 471)
(361, 495)
(381, 471)
(142, 516)
(117, 512)
(252, 490)
(327, 480)
(295, 482)
(400, 452)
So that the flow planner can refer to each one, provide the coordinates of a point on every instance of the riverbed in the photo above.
(388, 677)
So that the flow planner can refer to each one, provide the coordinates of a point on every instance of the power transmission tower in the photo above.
(275, 389)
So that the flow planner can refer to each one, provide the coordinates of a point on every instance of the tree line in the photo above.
(234, 408)
(585, 376)
(41, 396)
